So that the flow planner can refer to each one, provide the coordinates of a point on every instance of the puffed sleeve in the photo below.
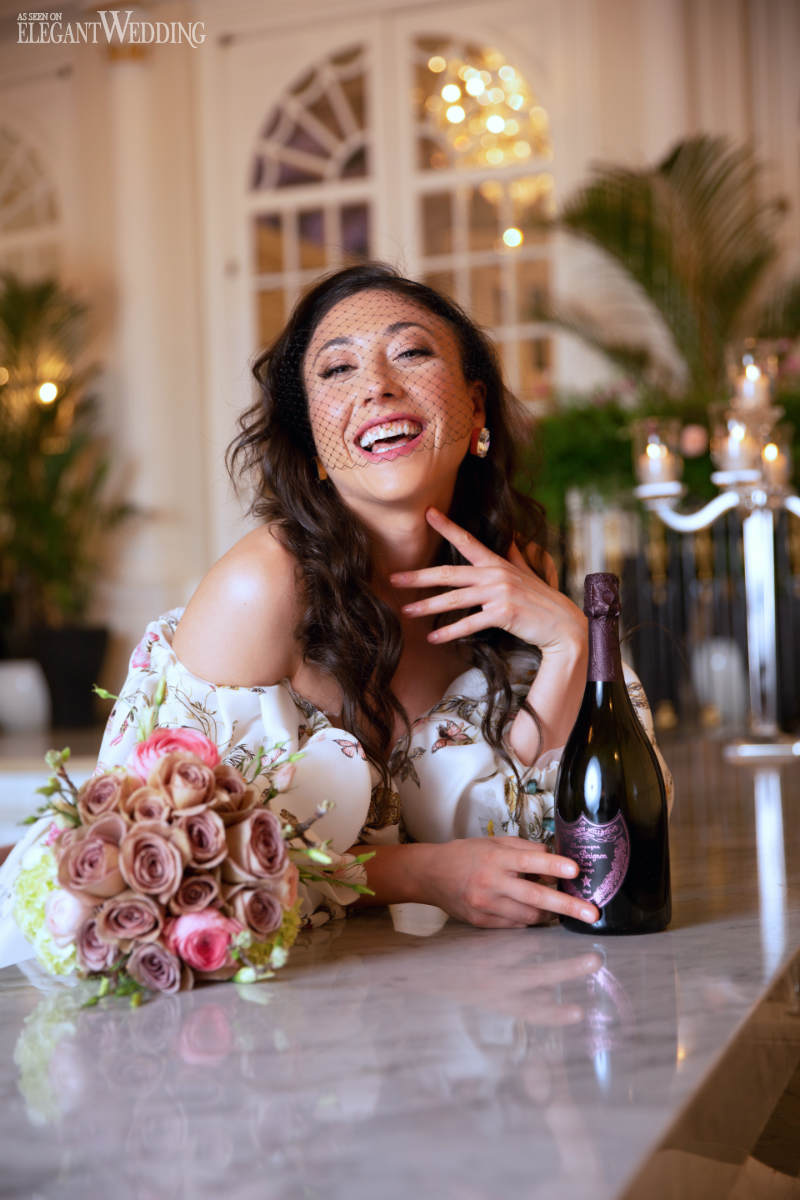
(256, 730)
(453, 784)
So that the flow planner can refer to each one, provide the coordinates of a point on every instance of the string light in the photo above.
(512, 236)
(48, 393)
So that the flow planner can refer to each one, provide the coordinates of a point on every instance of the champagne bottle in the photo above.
(611, 804)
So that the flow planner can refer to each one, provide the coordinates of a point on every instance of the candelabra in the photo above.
(752, 454)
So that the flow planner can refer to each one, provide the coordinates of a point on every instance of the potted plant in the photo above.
(54, 508)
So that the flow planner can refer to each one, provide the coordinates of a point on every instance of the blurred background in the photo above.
(611, 187)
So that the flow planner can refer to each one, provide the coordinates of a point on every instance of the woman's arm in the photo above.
(478, 880)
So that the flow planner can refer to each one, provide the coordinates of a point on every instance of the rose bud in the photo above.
(64, 913)
(206, 834)
(282, 779)
(148, 804)
(196, 892)
(89, 860)
(93, 953)
(129, 917)
(233, 796)
(259, 909)
(256, 849)
(103, 794)
(146, 755)
(154, 967)
(203, 939)
(188, 782)
(152, 857)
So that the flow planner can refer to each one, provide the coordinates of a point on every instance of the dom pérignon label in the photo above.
(611, 804)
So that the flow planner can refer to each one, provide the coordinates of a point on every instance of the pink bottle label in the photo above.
(602, 852)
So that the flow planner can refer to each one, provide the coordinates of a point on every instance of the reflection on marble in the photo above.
(415, 1058)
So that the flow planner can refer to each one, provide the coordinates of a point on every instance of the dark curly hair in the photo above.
(345, 628)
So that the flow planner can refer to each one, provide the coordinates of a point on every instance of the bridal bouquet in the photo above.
(168, 870)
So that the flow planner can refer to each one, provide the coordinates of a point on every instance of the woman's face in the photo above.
(390, 409)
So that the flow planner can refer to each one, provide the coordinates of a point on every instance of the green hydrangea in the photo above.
(37, 878)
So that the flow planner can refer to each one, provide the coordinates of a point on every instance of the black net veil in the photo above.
(375, 372)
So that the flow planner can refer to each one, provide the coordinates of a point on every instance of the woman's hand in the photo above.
(481, 881)
(509, 594)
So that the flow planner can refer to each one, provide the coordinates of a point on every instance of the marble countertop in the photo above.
(402, 1057)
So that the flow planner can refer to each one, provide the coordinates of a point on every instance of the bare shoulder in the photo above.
(238, 626)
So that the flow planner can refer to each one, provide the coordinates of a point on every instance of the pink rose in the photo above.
(103, 794)
(152, 857)
(88, 859)
(145, 755)
(64, 913)
(202, 939)
(233, 796)
(259, 909)
(206, 835)
(154, 967)
(187, 781)
(93, 953)
(256, 849)
(129, 917)
(197, 891)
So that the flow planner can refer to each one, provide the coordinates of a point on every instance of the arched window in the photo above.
(317, 134)
(484, 181)
(29, 233)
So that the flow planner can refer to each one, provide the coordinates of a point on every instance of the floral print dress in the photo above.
(447, 781)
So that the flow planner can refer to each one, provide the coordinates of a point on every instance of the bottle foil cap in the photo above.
(601, 595)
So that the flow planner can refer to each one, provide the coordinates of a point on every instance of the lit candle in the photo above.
(738, 450)
(752, 388)
(775, 464)
(657, 465)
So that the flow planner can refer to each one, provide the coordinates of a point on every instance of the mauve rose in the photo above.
(146, 755)
(94, 954)
(152, 857)
(154, 967)
(188, 782)
(206, 834)
(257, 908)
(233, 796)
(195, 893)
(103, 794)
(256, 849)
(129, 917)
(88, 861)
(206, 1037)
(64, 913)
(202, 939)
(147, 804)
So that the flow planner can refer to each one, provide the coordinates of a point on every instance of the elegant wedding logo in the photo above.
(115, 27)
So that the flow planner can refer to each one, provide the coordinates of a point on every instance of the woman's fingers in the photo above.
(538, 896)
(466, 543)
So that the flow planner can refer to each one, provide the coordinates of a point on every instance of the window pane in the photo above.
(430, 154)
(268, 250)
(270, 315)
(311, 234)
(355, 232)
(486, 304)
(535, 364)
(531, 202)
(484, 219)
(437, 223)
(533, 288)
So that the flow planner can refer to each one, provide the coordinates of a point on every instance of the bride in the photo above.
(392, 619)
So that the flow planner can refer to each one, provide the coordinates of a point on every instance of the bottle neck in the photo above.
(605, 661)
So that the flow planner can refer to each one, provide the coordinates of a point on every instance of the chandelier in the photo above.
(486, 110)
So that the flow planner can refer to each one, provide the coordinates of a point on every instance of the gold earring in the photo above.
(322, 474)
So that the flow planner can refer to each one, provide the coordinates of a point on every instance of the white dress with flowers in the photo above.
(446, 780)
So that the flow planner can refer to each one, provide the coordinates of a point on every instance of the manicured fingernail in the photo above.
(570, 869)
(434, 636)
(588, 914)
(409, 608)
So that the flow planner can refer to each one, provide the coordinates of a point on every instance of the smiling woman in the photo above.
(393, 619)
